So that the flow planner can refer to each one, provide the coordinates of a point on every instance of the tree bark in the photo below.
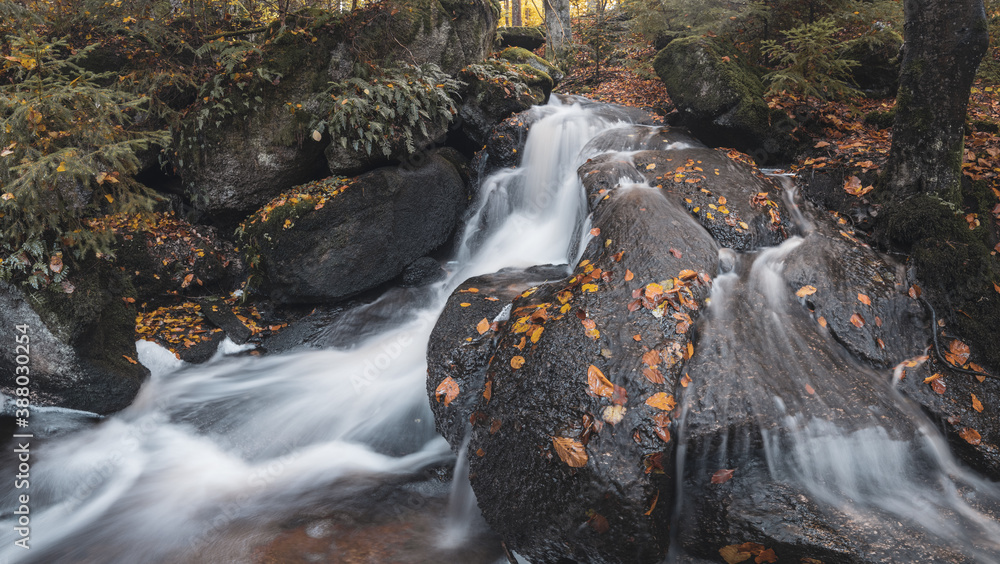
(557, 27)
(924, 201)
(945, 40)
(515, 11)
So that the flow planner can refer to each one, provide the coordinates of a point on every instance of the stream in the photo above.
(331, 455)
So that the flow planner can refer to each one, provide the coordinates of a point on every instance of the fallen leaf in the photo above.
(806, 291)
(661, 400)
(661, 424)
(637, 337)
(488, 390)
(733, 555)
(595, 231)
(599, 385)
(652, 374)
(766, 556)
(914, 291)
(857, 320)
(958, 352)
(651, 357)
(722, 476)
(613, 414)
(448, 388)
(976, 404)
(810, 390)
(687, 274)
(970, 435)
(597, 521)
(685, 381)
(570, 451)
(652, 505)
(483, 326)
(938, 386)
(56, 263)
(628, 275)
(317, 136)
(821, 144)
(996, 286)
(822, 321)
(676, 253)
(495, 426)
(517, 362)
(133, 361)
(864, 299)
(619, 396)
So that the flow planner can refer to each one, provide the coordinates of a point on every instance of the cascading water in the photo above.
(211, 459)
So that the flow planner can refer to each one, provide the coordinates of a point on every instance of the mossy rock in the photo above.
(82, 343)
(495, 90)
(877, 72)
(880, 119)
(520, 56)
(525, 37)
(719, 98)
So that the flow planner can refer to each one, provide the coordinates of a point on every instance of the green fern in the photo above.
(811, 61)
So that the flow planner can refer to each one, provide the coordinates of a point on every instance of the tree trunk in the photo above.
(924, 199)
(515, 11)
(945, 40)
(557, 27)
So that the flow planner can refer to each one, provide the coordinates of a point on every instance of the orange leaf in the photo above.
(652, 506)
(932, 377)
(806, 291)
(914, 291)
(822, 321)
(970, 435)
(685, 381)
(133, 361)
(447, 388)
(653, 375)
(628, 275)
(483, 326)
(687, 274)
(517, 362)
(960, 351)
(722, 476)
(996, 286)
(821, 144)
(661, 400)
(599, 385)
(733, 555)
(766, 556)
(864, 299)
(488, 390)
(976, 404)
(857, 320)
(938, 386)
(570, 451)
(651, 358)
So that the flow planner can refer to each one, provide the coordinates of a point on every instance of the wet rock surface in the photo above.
(715, 340)
(366, 235)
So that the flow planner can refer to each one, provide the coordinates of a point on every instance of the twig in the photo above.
(238, 32)
(937, 346)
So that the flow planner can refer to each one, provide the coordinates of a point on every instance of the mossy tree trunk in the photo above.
(557, 27)
(945, 40)
(925, 199)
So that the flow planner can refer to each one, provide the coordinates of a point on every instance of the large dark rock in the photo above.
(696, 384)
(877, 72)
(365, 235)
(721, 99)
(234, 155)
(81, 346)
(496, 90)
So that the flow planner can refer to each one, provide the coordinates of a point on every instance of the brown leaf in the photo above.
(488, 390)
(653, 375)
(857, 320)
(995, 285)
(517, 362)
(661, 426)
(628, 275)
(810, 390)
(634, 304)
(599, 385)
(483, 326)
(652, 505)
(685, 380)
(687, 274)
(970, 435)
(976, 404)
(56, 263)
(723, 476)
(733, 555)
(938, 386)
(651, 358)
(570, 451)
(495, 426)
(766, 556)
(914, 291)
(595, 231)
(822, 321)
(805, 291)
(864, 299)
(676, 253)
(598, 522)
(661, 400)
(448, 388)
(960, 351)
(619, 396)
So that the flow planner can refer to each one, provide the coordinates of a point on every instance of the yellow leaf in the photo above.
(483, 326)
(62, 167)
(8, 196)
(651, 166)
(613, 414)
(589, 287)
(570, 451)
(517, 362)
(109, 198)
(806, 291)
(662, 401)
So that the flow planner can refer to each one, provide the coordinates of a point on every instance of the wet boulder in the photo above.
(721, 99)
(495, 91)
(80, 343)
(321, 246)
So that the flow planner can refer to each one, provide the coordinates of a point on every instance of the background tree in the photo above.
(559, 35)
(945, 42)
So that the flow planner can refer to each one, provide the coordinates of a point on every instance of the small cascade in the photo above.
(463, 513)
